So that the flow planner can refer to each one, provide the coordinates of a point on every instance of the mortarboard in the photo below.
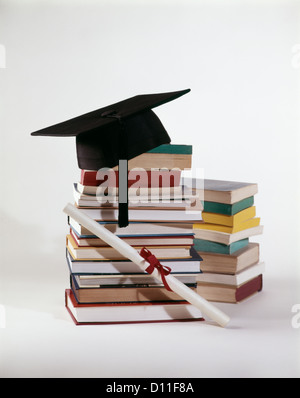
(112, 135)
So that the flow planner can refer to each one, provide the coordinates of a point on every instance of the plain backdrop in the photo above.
(60, 59)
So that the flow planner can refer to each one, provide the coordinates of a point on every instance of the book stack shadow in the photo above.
(231, 268)
(106, 287)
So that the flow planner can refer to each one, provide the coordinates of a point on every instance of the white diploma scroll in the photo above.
(129, 252)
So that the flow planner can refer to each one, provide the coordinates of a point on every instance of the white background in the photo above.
(64, 58)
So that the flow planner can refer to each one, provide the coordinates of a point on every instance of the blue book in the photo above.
(202, 245)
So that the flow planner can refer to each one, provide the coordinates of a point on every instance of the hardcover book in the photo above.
(109, 253)
(137, 228)
(230, 293)
(101, 314)
(145, 215)
(124, 294)
(144, 178)
(139, 240)
(187, 265)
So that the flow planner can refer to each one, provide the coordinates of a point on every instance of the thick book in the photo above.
(144, 215)
(229, 293)
(137, 228)
(144, 178)
(101, 314)
(225, 237)
(230, 263)
(187, 265)
(227, 209)
(202, 245)
(148, 161)
(237, 279)
(140, 240)
(253, 222)
(231, 221)
(110, 253)
(124, 294)
(220, 191)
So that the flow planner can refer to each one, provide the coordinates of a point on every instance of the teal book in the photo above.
(228, 209)
(202, 245)
(173, 149)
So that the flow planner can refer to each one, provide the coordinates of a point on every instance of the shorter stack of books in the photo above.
(231, 267)
(105, 287)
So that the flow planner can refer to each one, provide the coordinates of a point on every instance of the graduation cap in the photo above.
(112, 135)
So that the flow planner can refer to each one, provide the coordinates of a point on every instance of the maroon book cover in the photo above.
(144, 179)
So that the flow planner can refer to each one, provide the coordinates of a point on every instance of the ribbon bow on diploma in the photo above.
(154, 263)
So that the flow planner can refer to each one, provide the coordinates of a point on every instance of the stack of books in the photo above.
(106, 287)
(231, 267)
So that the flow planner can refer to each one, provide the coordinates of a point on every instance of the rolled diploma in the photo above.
(129, 252)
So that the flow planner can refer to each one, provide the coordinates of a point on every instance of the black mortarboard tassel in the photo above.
(112, 135)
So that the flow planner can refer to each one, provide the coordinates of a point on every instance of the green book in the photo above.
(173, 149)
(226, 209)
(202, 245)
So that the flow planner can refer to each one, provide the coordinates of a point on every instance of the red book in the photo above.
(143, 178)
(229, 293)
(103, 314)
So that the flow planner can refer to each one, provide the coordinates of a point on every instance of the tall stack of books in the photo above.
(104, 286)
(232, 270)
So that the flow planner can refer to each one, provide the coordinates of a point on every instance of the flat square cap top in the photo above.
(123, 130)
(101, 117)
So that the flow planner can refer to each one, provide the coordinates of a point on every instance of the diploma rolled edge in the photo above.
(129, 252)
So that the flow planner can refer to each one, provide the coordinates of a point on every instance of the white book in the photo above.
(227, 238)
(144, 215)
(235, 280)
(118, 267)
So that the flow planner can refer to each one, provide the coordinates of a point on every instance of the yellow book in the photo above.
(253, 222)
(230, 221)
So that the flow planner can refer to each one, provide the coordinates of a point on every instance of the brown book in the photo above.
(149, 161)
(230, 263)
(124, 294)
(230, 293)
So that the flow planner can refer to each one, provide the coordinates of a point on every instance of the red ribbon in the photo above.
(154, 263)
